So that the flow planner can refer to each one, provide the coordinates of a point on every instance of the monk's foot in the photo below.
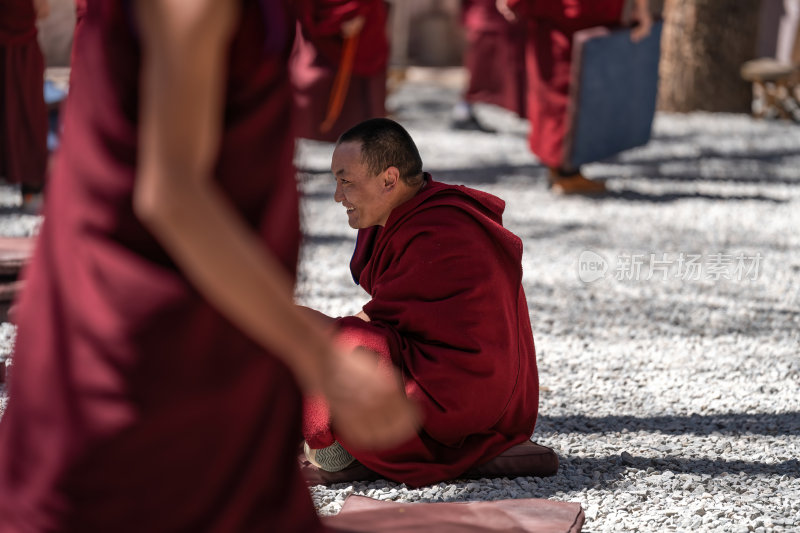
(574, 184)
(331, 459)
(32, 199)
(463, 118)
(470, 123)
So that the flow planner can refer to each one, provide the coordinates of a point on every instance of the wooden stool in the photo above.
(774, 86)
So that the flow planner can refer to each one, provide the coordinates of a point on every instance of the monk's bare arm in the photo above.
(185, 46)
(641, 14)
(42, 8)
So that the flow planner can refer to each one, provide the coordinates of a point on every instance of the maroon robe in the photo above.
(494, 56)
(80, 13)
(316, 60)
(23, 115)
(134, 405)
(449, 311)
(550, 27)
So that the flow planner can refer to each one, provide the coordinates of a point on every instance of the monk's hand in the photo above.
(369, 409)
(42, 8)
(353, 26)
(507, 12)
(363, 316)
(642, 15)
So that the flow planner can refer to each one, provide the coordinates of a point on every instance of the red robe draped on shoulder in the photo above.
(134, 405)
(23, 120)
(317, 58)
(449, 311)
(494, 56)
(550, 27)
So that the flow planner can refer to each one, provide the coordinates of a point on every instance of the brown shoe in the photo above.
(574, 184)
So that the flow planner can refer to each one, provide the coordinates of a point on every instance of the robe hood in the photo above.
(485, 208)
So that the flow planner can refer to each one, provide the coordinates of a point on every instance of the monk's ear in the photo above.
(391, 177)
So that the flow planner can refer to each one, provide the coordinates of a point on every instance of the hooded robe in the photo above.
(448, 310)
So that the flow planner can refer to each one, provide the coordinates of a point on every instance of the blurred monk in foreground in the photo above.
(159, 358)
(447, 309)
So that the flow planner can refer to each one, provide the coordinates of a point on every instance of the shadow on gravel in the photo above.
(613, 466)
(488, 174)
(729, 424)
(327, 238)
(580, 473)
(636, 196)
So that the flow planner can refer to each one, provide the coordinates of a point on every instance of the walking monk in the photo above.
(551, 25)
(494, 56)
(339, 66)
(447, 308)
(23, 113)
(159, 356)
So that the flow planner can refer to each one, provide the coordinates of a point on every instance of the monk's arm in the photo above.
(42, 8)
(184, 54)
(642, 14)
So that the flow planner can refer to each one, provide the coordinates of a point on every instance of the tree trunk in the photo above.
(704, 44)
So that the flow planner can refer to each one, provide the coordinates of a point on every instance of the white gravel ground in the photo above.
(670, 384)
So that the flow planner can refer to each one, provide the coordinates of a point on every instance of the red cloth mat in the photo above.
(542, 516)
(526, 459)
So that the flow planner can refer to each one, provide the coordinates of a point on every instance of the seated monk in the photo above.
(447, 309)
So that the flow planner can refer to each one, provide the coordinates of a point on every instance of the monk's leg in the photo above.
(23, 155)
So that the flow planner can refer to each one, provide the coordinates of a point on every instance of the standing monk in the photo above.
(447, 308)
(495, 59)
(550, 27)
(23, 121)
(324, 77)
(158, 352)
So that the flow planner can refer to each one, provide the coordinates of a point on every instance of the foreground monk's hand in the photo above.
(368, 406)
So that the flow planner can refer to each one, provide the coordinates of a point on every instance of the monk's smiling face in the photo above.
(368, 198)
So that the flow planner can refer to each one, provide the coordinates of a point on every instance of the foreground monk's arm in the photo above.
(185, 47)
